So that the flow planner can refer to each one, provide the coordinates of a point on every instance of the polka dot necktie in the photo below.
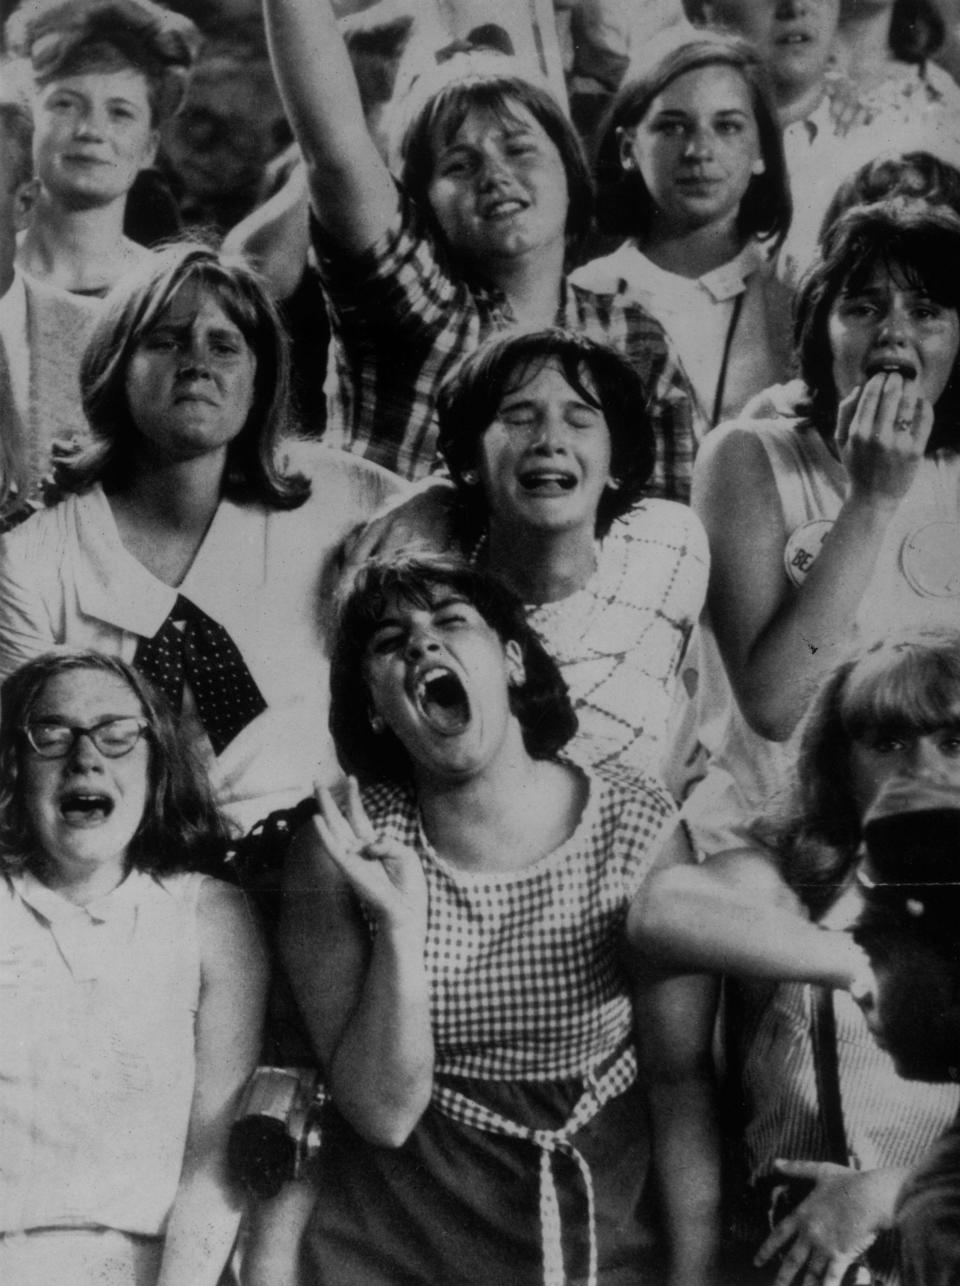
(190, 646)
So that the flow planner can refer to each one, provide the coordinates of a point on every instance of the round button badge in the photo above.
(803, 546)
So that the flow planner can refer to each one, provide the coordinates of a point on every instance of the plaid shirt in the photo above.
(401, 318)
(524, 967)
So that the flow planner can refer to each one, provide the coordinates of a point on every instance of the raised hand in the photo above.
(882, 432)
(386, 876)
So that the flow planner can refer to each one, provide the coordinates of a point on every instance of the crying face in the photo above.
(438, 676)
(84, 807)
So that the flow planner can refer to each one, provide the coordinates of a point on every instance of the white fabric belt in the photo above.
(600, 1088)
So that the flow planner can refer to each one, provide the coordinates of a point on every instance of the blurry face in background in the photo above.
(696, 147)
(793, 37)
(16, 202)
(227, 130)
(93, 133)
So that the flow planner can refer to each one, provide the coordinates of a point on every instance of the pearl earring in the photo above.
(470, 477)
(759, 166)
(377, 723)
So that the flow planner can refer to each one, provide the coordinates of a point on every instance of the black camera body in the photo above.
(277, 1135)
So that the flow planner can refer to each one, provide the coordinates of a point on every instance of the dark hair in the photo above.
(16, 121)
(916, 30)
(624, 203)
(541, 703)
(489, 82)
(468, 399)
(130, 310)
(68, 37)
(181, 828)
(909, 176)
(918, 247)
(909, 682)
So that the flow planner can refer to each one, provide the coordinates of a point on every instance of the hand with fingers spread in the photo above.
(832, 1226)
(385, 875)
(883, 427)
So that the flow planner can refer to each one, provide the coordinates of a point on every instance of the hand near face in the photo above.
(387, 877)
(882, 432)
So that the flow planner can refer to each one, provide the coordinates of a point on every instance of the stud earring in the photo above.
(377, 723)
(470, 477)
(759, 166)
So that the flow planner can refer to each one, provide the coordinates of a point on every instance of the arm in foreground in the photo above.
(364, 998)
(206, 1210)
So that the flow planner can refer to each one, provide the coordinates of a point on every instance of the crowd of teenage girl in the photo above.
(496, 746)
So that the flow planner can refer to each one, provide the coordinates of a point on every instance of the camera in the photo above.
(276, 1136)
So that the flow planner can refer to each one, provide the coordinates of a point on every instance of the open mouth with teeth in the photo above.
(442, 701)
(85, 808)
(892, 366)
(504, 209)
(547, 482)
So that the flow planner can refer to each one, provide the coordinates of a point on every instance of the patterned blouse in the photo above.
(525, 972)
(401, 319)
(620, 640)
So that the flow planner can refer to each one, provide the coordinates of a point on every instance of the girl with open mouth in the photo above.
(459, 936)
(842, 524)
(131, 988)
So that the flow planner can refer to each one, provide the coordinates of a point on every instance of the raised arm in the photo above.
(351, 191)
(778, 641)
(365, 1001)
(275, 237)
(206, 1211)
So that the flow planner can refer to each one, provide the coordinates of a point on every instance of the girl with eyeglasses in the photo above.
(134, 985)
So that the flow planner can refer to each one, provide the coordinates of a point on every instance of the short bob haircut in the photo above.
(69, 37)
(920, 248)
(440, 102)
(541, 703)
(131, 310)
(904, 176)
(181, 828)
(624, 203)
(906, 683)
(469, 398)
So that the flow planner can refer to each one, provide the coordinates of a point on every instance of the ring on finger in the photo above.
(903, 425)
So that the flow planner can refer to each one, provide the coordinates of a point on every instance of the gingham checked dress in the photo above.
(527, 1166)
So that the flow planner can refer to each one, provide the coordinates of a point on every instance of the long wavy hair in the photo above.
(908, 683)
(134, 307)
(181, 828)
